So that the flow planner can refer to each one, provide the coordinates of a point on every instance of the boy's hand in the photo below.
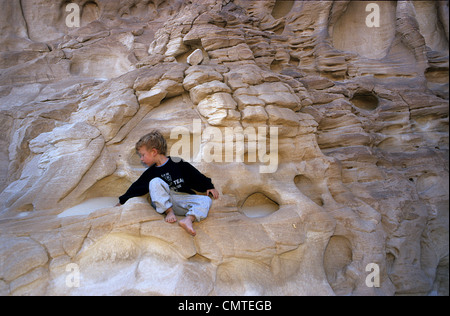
(214, 193)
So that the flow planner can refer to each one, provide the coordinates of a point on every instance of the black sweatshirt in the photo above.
(180, 176)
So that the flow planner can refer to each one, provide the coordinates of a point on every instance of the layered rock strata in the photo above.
(352, 199)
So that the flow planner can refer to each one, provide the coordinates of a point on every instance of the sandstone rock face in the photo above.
(335, 181)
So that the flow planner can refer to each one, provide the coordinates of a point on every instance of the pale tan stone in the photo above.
(360, 177)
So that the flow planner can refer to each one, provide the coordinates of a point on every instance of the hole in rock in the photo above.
(90, 13)
(89, 206)
(276, 66)
(351, 32)
(367, 102)
(390, 260)
(309, 188)
(282, 8)
(295, 62)
(258, 205)
(338, 255)
(26, 208)
(183, 57)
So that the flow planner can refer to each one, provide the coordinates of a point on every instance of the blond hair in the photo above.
(152, 140)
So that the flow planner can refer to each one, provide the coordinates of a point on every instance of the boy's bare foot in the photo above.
(186, 223)
(170, 216)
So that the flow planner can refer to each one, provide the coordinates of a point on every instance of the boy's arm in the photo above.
(197, 180)
(138, 188)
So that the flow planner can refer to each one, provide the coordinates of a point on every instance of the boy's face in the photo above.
(147, 155)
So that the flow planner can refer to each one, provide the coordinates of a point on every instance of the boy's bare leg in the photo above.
(170, 216)
(186, 223)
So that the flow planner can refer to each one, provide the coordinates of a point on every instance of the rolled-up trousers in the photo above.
(183, 204)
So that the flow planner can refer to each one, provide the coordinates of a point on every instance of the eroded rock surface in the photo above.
(357, 175)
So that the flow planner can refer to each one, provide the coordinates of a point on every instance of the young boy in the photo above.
(170, 182)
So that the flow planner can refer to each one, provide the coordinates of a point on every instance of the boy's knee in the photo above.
(208, 201)
(157, 183)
